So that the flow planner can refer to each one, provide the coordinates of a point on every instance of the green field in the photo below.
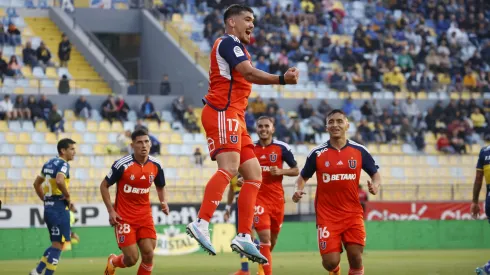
(431, 262)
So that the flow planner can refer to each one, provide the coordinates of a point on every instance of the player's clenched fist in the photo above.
(239, 182)
(373, 188)
(291, 76)
(298, 195)
(165, 208)
(114, 218)
(475, 210)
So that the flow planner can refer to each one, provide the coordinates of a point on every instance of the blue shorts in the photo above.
(58, 223)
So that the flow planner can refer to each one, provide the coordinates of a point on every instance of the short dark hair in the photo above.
(139, 133)
(266, 117)
(64, 144)
(236, 9)
(336, 111)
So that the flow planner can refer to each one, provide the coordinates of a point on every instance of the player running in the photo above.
(131, 214)
(269, 209)
(482, 171)
(339, 215)
(52, 187)
(230, 83)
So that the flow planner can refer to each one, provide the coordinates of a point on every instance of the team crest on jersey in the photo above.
(122, 238)
(152, 178)
(273, 157)
(256, 219)
(352, 163)
(323, 245)
(234, 139)
(132, 177)
(327, 163)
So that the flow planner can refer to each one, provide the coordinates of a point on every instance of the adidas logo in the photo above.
(263, 157)
(143, 177)
(215, 202)
(340, 163)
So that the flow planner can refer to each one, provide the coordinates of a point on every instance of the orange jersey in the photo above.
(227, 87)
(337, 173)
(274, 154)
(133, 187)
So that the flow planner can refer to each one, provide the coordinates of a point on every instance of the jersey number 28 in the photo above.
(124, 228)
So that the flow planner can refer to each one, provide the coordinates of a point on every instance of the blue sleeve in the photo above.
(310, 166)
(232, 52)
(481, 160)
(160, 178)
(288, 157)
(114, 174)
(368, 163)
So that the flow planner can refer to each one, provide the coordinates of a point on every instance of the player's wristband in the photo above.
(282, 81)
(228, 208)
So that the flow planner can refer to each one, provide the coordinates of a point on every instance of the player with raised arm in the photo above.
(269, 209)
(482, 171)
(339, 215)
(51, 186)
(231, 75)
(131, 215)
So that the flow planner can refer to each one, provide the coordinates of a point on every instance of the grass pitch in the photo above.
(432, 262)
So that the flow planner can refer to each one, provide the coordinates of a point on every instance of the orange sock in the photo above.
(353, 271)
(336, 269)
(213, 194)
(119, 261)
(246, 205)
(145, 269)
(265, 249)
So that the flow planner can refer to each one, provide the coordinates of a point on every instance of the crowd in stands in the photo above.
(430, 45)
(455, 125)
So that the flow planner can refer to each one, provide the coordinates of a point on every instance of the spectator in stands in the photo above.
(14, 66)
(178, 108)
(165, 88)
(444, 145)
(273, 104)
(258, 107)
(83, 108)
(282, 132)
(45, 105)
(305, 109)
(4, 70)
(44, 56)
(14, 34)
(349, 107)
(122, 108)
(338, 80)
(190, 121)
(413, 82)
(64, 85)
(367, 110)
(407, 133)
(140, 125)
(29, 55)
(262, 65)
(365, 131)
(55, 121)
(155, 145)
(410, 108)
(250, 120)
(7, 108)
(297, 134)
(478, 120)
(394, 80)
(36, 111)
(21, 109)
(420, 141)
(4, 37)
(315, 72)
(198, 157)
(64, 51)
(148, 110)
(109, 109)
(324, 108)
(123, 144)
(132, 88)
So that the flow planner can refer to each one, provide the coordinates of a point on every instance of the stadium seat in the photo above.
(91, 126)
(104, 126)
(41, 126)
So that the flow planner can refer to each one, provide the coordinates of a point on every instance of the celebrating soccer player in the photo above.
(231, 75)
(54, 193)
(339, 215)
(131, 214)
(269, 209)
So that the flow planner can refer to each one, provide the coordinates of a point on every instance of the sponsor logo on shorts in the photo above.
(352, 164)
(134, 190)
(273, 157)
(122, 238)
(323, 245)
(234, 139)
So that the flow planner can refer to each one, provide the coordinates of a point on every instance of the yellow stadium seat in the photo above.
(11, 138)
(41, 126)
(21, 149)
(77, 137)
(4, 162)
(51, 73)
(171, 161)
(176, 138)
(153, 127)
(19, 90)
(4, 127)
(25, 138)
(104, 126)
(34, 83)
(166, 127)
(163, 150)
(117, 127)
(26, 71)
(102, 138)
(91, 126)
(69, 115)
(164, 138)
(3, 175)
(177, 18)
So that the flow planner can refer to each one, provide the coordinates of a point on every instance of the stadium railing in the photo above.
(193, 195)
